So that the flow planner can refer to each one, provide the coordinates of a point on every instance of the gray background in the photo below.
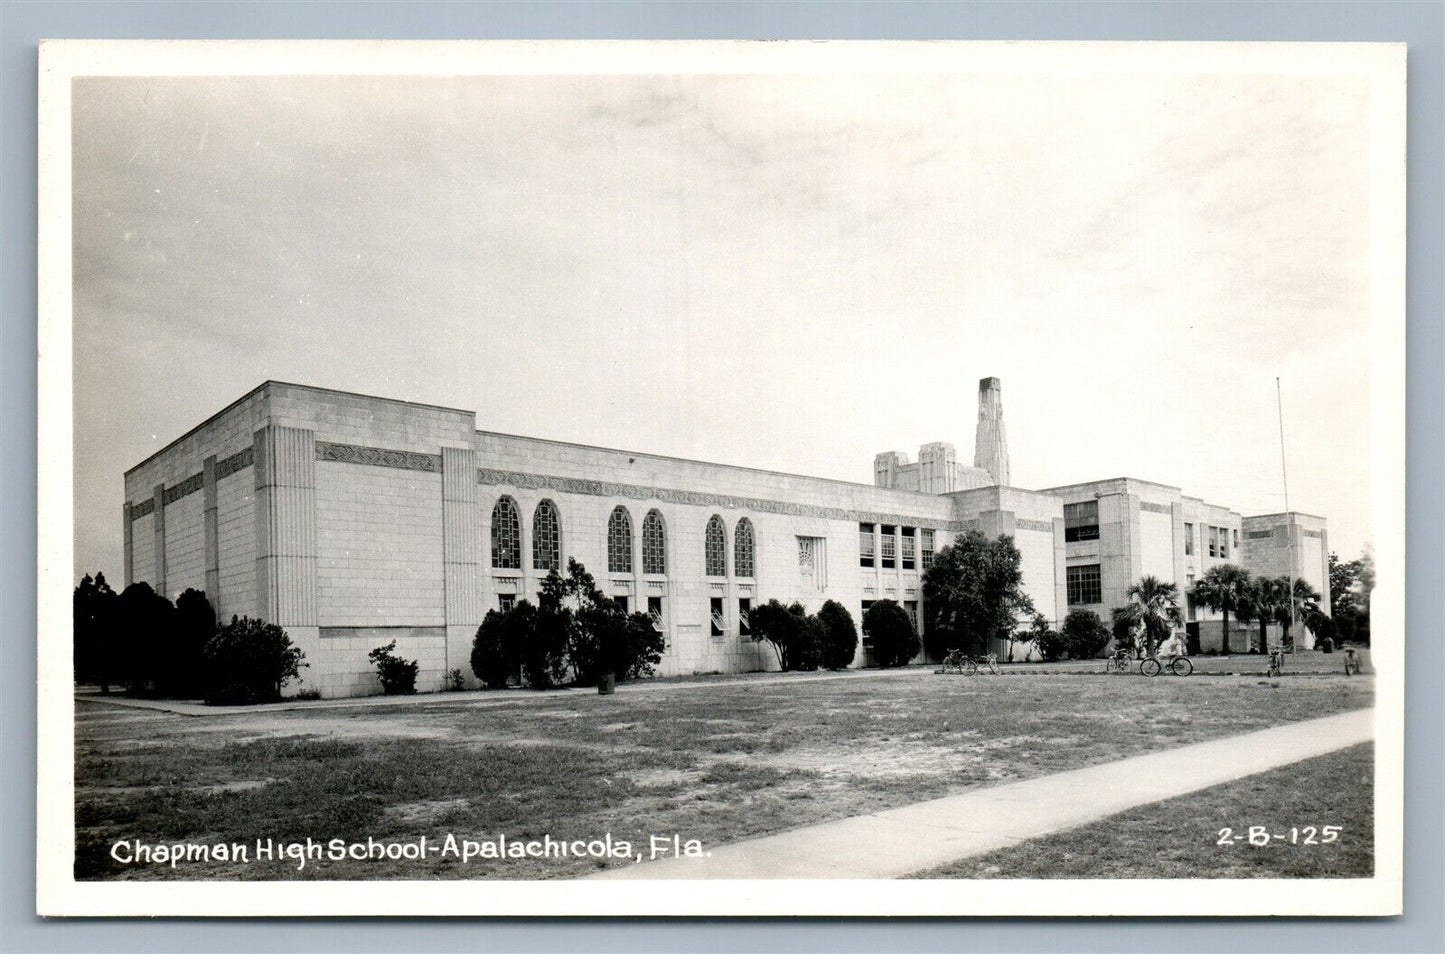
(1421, 24)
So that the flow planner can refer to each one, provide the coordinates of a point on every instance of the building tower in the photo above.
(990, 447)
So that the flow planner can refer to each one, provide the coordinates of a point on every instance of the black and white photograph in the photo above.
(850, 478)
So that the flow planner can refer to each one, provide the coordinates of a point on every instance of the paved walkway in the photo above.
(903, 841)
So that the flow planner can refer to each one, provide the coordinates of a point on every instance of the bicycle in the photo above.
(953, 662)
(1178, 664)
(1117, 662)
(1276, 663)
(1352, 661)
(971, 664)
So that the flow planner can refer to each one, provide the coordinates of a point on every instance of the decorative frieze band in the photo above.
(175, 492)
(604, 488)
(1155, 507)
(236, 462)
(1311, 533)
(224, 468)
(1046, 526)
(378, 457)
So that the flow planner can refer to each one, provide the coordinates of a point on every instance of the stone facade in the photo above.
(353, 521)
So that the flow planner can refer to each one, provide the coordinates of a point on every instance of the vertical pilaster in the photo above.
(461, 550)
(1061, 574)
(212, 539)
(1176, 518)
(158, 581)
(127, 552)
(285, 473)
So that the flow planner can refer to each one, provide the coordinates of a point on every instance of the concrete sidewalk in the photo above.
(902, 841)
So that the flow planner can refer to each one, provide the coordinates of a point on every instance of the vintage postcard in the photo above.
(700, 478)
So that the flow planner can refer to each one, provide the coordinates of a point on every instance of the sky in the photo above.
(791, 271)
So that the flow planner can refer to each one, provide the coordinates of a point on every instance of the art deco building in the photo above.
(353, 520)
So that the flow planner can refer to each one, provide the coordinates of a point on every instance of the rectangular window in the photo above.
(1189, 539)
(925, 544)
(1085, 585)
(910, 549)
(1081, 521)
(1189, 601)
(506, 601)
(889, 551)
(867, 640)
(719, 624)
(654, 611)
(911, 608)
(745, 627)
(1224, 543)
(1236, 539)
(621, 602)
(867, 544)
(1213, 541)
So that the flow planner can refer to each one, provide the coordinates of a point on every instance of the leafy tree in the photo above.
(182, 670)
(1351, 583)
(1223, 588)
(145, 624)
(1085, 634)
(545, 652)
(838, 644)
(497, 648)
(974, 593)
(894, 639)
(1265, 601)
(1152, 612)
(640, 650)
(397, 675)
(94, 605)
(1344, 584)
(783, 628)
(249, 661)
(1050, 643)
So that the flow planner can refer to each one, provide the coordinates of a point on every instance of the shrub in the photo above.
(397, 675)
(454, 681)
(894, 640)
(249, 661)
(499, 643)
(1050, 643)
(641, 649)
(1084, 634)
(784, 627)
(838, 642)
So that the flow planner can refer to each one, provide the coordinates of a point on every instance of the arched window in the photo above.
(743, 548)
(654, 560)
(506, 535)
(619, 542)
(546, 538)
(715, 547)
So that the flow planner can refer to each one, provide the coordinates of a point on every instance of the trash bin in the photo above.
(606, 684)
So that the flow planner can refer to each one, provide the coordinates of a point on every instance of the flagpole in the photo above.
(1284, 474)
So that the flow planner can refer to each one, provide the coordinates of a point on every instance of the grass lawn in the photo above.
(1179, 838)
(716, 763)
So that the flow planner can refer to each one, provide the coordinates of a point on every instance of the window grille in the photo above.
(743, 548)
(546, 537)
(654, 558)
(1085, 585)
(506, 535)
(909, 548)
(867, 544)
(1081, 521)
(619, 541)
(889, 551)
(926, 547)
(715, 547)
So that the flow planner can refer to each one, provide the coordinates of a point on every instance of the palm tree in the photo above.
(1155, 604)
(1268, 602)
(1305, 607)
(1224, 588)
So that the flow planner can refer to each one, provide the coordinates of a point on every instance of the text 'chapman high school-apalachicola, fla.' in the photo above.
(353, 520)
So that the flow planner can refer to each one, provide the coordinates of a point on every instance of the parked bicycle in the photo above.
(1117, 661)
(1276, 662)
(1176, 663)
(1352, 661)
(957, 661)
(953, 662)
